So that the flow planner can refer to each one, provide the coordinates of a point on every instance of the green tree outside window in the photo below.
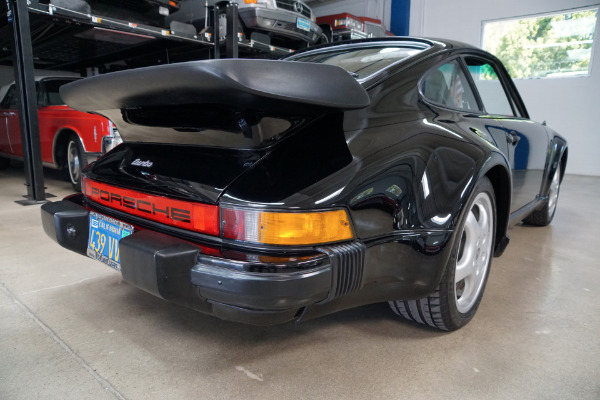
(558, 45)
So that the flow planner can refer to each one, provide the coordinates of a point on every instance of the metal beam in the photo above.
(27, 99)
(400, 17)
(231, 42)
(216, 33)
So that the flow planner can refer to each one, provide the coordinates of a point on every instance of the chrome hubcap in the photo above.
(73, 162)
(553, 195)
(475, 251)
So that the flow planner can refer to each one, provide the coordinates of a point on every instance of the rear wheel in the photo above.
(323, 39)
(455, 301)
(544, 216)
(75, 161)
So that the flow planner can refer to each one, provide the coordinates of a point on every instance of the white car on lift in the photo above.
(286, 23)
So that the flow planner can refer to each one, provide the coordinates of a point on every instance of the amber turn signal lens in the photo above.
(283, 228)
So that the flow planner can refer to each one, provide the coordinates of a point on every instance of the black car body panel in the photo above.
(400, 164)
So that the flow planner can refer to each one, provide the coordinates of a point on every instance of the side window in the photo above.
(447, 85)
(41, 98)
(52, 92)
(10, 101)
(489, 87)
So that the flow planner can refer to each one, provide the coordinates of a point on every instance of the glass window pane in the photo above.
(52, 91)
(361, 61)
(12, 97)
(447, 85)
(556, 45)
(489, 87)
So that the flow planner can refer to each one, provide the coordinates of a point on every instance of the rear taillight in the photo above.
(348, 22)
(112, 140)
(248, 225)
(285, 228)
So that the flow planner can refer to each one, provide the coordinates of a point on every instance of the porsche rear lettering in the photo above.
(194, 216)
(149, 207)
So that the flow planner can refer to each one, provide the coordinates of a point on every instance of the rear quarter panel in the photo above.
(56, 119)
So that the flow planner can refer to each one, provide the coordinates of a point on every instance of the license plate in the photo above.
(105, 234)
(303, 24)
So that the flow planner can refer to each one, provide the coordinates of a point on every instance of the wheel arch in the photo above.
(563, 163)
(501, 181)
(559, 152)
(59, 148)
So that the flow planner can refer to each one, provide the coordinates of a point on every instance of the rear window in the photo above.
(52, 92)
(209, 125)
(362, 60)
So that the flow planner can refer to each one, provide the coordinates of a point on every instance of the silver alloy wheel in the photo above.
(73, 163)
(475, 251)
(553, 194)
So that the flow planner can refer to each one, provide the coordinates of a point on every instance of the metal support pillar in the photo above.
(231, 31)
(27, 100)
(231, 42)
(216, 33)
(400, 17)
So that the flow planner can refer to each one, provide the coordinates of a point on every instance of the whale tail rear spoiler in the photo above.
(266, 86)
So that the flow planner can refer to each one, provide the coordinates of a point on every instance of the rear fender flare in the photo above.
(59, 146)
(496, 168)
(558, 154)
(500, 175)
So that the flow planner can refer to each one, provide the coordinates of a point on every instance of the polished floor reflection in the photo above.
(72, 329)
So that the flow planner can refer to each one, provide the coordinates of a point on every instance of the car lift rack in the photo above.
(78, 14)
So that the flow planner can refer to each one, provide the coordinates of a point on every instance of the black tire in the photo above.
(4, 163)
(75, 161)
(545, 215)
(323, 39)
(454, 303)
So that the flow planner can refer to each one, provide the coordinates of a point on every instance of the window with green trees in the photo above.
(556, 45)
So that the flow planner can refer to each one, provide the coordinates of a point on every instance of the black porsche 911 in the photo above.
(266, 191)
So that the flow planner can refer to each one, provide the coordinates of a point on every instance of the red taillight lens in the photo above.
(198, 217)
(248, 225)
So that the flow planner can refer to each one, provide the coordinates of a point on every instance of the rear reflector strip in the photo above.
(197, 217)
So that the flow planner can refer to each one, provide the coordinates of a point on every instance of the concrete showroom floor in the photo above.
(70, 328)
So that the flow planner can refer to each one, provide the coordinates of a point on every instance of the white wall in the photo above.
(571, 106)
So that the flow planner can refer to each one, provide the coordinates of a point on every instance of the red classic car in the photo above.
(69, 139)
(346, 26)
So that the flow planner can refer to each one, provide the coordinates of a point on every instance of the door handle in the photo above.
(512, 137)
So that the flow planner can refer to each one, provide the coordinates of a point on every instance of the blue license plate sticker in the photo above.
(303, 24)
(104, 236)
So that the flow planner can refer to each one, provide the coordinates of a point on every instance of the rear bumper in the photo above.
(237, 290)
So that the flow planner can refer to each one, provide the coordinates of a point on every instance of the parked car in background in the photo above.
(69, 139)
(265, 191)
(149, 12)
(286, 23)
(375, 28)
(346, 26)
